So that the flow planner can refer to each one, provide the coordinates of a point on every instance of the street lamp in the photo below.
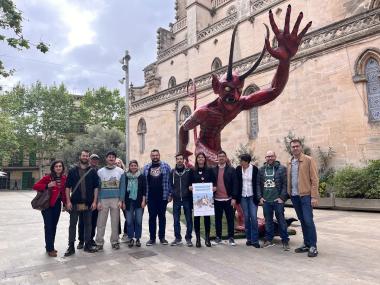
(125, 66)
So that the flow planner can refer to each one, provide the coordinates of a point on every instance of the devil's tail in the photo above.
(192, 92)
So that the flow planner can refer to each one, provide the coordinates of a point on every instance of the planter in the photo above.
(372, 205)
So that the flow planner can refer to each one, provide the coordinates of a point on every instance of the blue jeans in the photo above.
(278, 209)
(51, 218)
(304, 210)
(134, 220)
(250, 219)
(177, 215)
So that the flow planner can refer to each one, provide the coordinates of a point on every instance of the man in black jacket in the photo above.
(82, 182)
(225, 197)
(180, 178)
(246, 174)
(272, 192)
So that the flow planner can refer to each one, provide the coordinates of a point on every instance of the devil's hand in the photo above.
(288, 43)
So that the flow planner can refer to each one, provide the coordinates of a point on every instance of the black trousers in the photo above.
(157, 208)
(220, 207)
(94, 219)
(87, 226)
(197, 225)
(51, 218)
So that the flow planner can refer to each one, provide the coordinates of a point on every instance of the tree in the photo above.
(8, 139)
(41, 117)
(11, 32)
(103, 107)
(97, 140)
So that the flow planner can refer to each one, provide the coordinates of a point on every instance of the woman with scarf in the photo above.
(202, 174)
(134, 186)
(55, 181)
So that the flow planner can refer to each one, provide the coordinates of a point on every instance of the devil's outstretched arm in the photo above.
(288, 43)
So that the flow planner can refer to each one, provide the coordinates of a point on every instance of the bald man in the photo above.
(272, 193)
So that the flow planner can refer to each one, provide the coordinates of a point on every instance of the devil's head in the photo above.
(230, 86)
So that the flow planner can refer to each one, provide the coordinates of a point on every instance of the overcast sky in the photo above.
(87, 38)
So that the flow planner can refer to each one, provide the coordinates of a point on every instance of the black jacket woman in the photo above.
(202, 174)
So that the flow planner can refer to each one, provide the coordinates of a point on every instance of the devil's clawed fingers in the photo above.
(304, 31)
(273, 23)
(287, 20)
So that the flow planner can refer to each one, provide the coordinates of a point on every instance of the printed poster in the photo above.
(203, 199)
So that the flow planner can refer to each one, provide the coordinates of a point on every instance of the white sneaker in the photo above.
(125, 238)
(231, 242)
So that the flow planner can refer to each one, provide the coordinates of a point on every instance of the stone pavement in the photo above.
(349, 246)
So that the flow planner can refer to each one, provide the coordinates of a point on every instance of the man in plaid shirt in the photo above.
(158, 194)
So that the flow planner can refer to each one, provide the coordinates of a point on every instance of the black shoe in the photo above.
(131, 242)
(80, 245)
(313, 252)
(138, 243)
(248, 243)
(150, 242)
(189, 243)
(116, 246)
(90, 249)
(198, 242)
(218, 240)
(302, 249)
(285, 246)
(70, 250)
(256, 245)
(164, 241)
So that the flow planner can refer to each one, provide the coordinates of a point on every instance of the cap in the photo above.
(94, 156)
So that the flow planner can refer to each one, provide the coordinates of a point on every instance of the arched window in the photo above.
(172, 82)
(253, 118)
(367, 71)
(372, 72)
(184, 114)
(141, 131)
(216, 64)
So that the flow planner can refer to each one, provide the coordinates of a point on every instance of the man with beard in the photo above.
(94, 162)
(82, 182)
(158, 195)
(180, 179)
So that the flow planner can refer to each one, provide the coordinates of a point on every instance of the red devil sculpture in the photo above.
(214, 116)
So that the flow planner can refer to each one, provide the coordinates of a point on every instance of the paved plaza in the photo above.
(349, 253)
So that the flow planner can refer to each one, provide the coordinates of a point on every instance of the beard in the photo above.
(83, 161)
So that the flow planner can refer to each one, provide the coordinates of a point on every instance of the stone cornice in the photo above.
(259, 6)
(316, 42)
(178, 48)
(216, 28)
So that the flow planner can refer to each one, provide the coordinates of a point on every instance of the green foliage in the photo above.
(41, 116)
(11, 32)
(325, 171)
(242, 149)
(98, 140)
(351, 182)
(8, 139)
(291, 136)
(103, 107)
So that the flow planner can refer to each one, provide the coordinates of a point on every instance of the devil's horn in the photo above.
(257, 63)
(230, 61)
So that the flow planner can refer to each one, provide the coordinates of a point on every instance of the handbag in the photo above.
(42, 200)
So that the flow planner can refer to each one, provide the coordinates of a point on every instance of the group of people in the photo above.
(90, 195)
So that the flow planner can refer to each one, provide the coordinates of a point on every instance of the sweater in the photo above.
(42, 185)
(110, 183)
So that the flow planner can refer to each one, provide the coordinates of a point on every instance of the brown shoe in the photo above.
(52, 254)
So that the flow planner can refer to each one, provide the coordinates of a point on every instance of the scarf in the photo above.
(132, 186)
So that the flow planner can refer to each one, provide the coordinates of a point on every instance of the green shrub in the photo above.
(351, 182)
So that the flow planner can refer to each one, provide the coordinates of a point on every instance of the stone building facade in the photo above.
(332, 97)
